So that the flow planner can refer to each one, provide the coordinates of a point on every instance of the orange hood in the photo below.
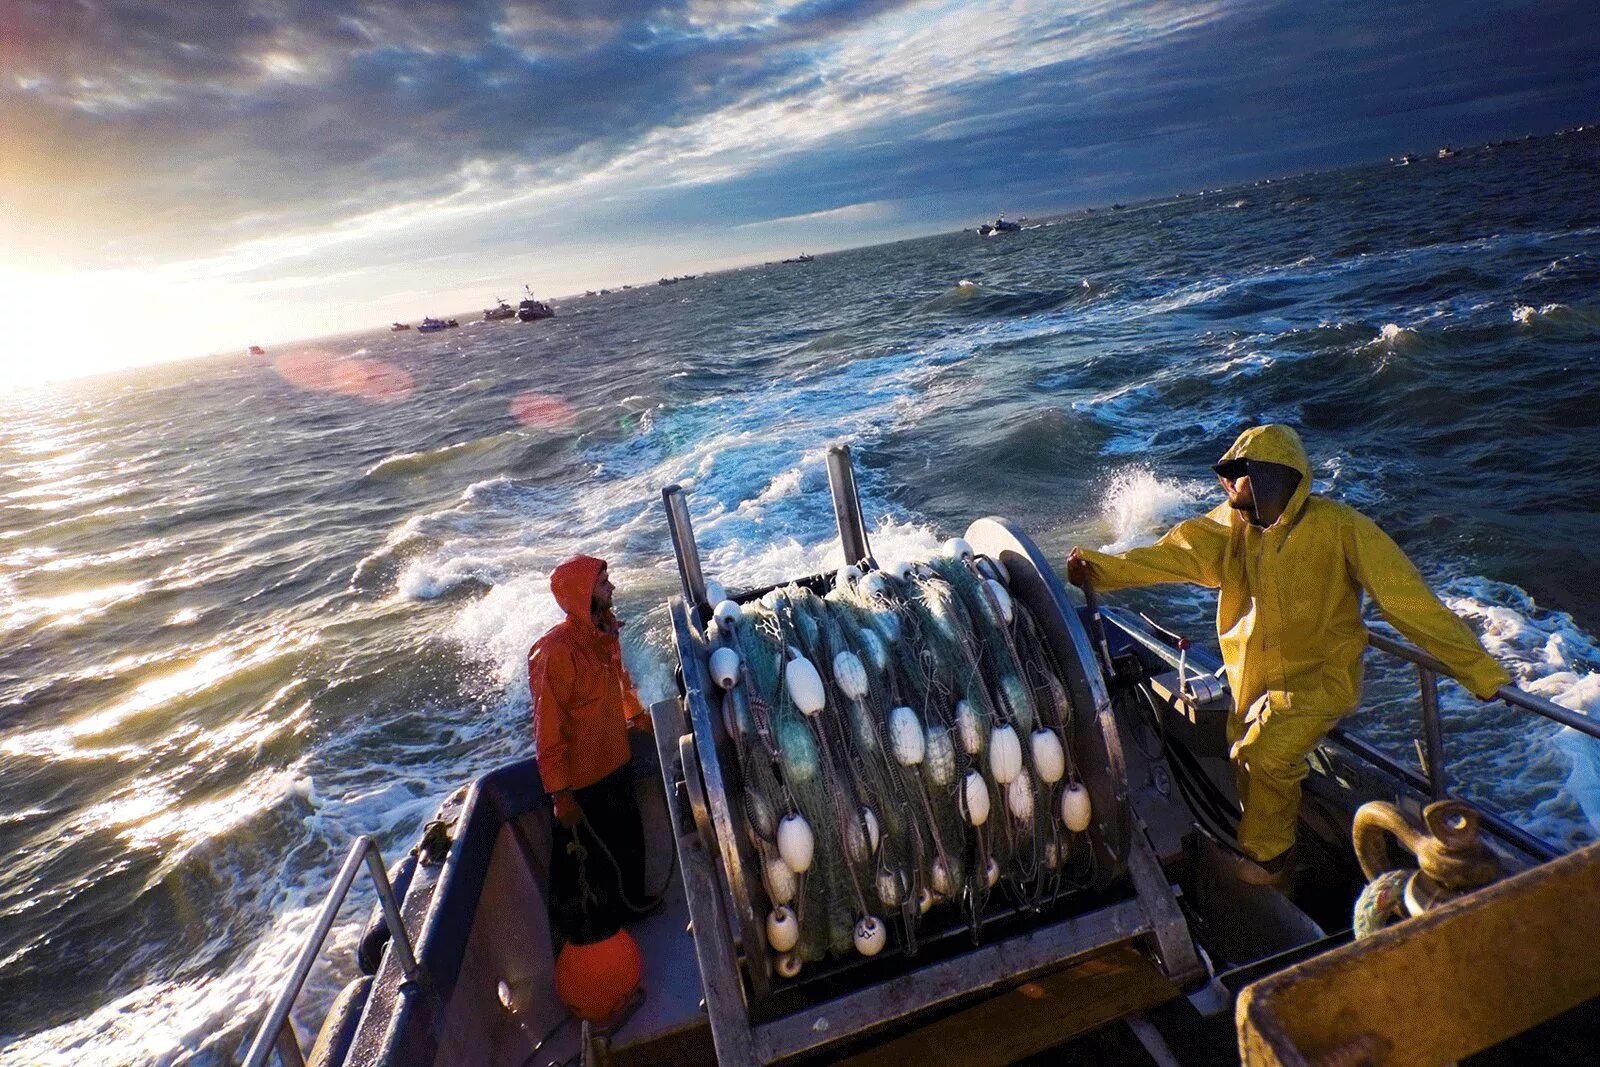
(572, 583)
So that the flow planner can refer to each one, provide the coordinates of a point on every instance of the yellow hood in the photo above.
(1276, 443)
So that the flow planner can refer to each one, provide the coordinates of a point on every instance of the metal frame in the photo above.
(1405, 650)
(1428, 670)
(276, 1032)
(726, 929)
(1096, 741)
(717, 811)
(847, 506)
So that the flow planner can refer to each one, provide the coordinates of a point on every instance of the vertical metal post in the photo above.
(398, 938)
(1432, 733)
(847, 505)
(276, 1032)
(683, 547)
(1097, 629)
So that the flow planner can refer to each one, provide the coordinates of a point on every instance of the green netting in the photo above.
(934, 638)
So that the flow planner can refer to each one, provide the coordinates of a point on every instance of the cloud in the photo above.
(851, 213)
(163, 127)
(244, 141)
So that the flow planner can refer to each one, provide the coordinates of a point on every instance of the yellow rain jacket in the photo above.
(1289, 623)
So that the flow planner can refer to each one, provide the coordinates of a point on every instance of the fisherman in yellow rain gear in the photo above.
(1290, 568)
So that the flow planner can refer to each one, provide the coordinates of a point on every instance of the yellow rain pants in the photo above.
(1289, 624)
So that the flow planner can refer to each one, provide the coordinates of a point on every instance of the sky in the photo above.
(180, 178)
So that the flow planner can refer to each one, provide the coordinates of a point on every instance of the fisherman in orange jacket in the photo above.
(583, 705)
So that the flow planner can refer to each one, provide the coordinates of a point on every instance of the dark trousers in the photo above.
(589, 897)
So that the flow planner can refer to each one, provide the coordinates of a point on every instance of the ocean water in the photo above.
(251, 608)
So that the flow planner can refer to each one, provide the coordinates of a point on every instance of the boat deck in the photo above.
(515, 961)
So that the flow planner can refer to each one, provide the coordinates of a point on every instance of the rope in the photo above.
(1382, 901)
(583, 878)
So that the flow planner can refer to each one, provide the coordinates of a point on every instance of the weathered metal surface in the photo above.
(895, 1000)
(1030, 1018)
(847, 505)
(714, 751)
(1097, 745)
(719, 968)
(683, 546)
(1448, 850)
(1441, 986)
(1432, 732)
(1174, 947)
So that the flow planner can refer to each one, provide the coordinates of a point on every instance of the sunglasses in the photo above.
(1233, 469)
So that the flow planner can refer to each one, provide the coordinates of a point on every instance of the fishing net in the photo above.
(902, 746)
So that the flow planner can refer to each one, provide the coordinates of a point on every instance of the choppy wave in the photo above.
(1549, 655)
(1556, 315)
(412, 463)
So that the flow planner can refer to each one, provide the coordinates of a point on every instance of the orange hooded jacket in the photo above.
(583, 699)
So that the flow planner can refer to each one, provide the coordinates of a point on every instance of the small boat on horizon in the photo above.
(499, 312)
(399, 326)
(432, 325)
(1000, 225)
(257, 350)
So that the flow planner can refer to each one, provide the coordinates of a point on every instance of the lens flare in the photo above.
(318, 371)
(372, 379)
(542, 410)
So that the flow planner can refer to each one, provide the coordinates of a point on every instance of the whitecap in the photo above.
(1549, 655)
(1138, 506)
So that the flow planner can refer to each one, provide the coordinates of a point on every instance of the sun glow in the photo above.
(70, 325)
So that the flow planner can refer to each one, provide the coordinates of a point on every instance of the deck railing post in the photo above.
(391, 915)
(1432, 732)
(277, 1032)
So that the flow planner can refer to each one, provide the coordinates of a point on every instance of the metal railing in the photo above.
(1433, 780)
(1428, 670)
(276, 1031)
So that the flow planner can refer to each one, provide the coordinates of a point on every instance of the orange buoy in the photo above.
(596, 980)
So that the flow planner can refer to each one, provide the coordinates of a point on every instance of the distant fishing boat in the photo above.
(801, 258)
(431, 325)
(1000, 225)
(531, 310)
(399, 326)
(500, 311)
(257, 350)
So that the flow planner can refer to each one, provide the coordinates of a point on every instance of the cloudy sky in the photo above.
(188, 176)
